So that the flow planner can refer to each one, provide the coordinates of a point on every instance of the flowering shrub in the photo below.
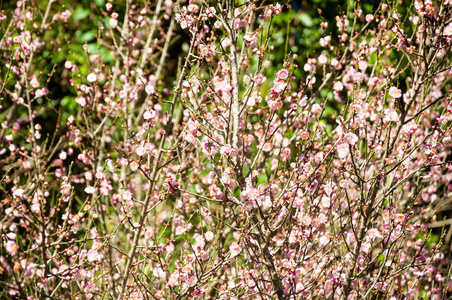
(245, 178)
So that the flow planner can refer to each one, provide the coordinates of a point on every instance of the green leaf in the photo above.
(80, 13)
(86, 36)
(99, 3)
(306, 20)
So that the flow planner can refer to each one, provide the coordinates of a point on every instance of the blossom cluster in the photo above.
(229, 175)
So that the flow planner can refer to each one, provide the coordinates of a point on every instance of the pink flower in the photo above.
(235, 249)
(282, 74)
(409, 128)
(338, 86)
(448, 30)
(190, 138)
(343, 151)
(42, 92)
(93, 255)
(374, 233)
(127, 195)
(351, 138)
(222, 86)
(275, 104)
(140, 150)
(369, 18)
(134, 166)
(12, 248)
(148, 232)
(174, 279)
(251, 40)
(391, 116)
(395, 92)
(158, 272)
(323, 240)
(18, 193)
(279, 86)
(34, 82)
(113, 22)
(180, 230)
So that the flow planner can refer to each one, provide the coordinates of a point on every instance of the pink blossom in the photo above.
(127, 195)
(338, 86)
(374, 233)
(343, 150)
(282, 74)
(410, 127)
(93, 255)
(351, 138)
(279, 86)
(448, 30)
(12, 248)
(174, 279)
(275, 105)
(251, 40)
(149, 114)
(113, 22)
(41, 92)
(158, 272)
(395, 92)
(18, 193)
(391, 116)
(34, 82)
(81, 101)
(134, 166)
(235, 249)
(180, 230)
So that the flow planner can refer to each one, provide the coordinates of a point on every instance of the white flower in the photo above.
(18, 193)
(391, 116)
(323, 240)
(209, 236)
(81, 101)
(92, 77)
(90, 189)
(113, 23)
(93, 255)
(149, 89)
